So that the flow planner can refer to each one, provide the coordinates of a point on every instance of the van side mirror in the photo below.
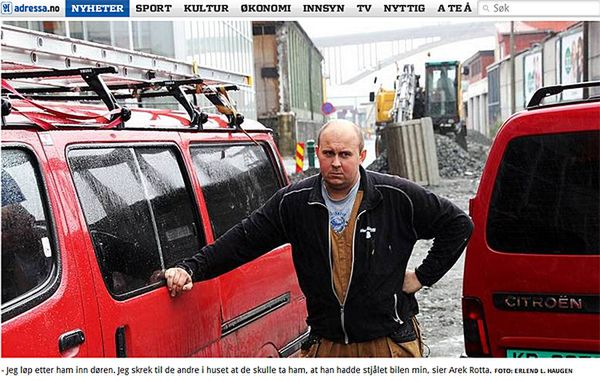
(465, 70)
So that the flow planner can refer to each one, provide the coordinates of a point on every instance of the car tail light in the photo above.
(476, 339)
(471, 207)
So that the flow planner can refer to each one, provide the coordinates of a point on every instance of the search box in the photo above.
(539, 8)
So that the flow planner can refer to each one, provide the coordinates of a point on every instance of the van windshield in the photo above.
(546, 199)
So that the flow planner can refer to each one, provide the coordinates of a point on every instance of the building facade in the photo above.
(569, 56)
(476, 90)
(289, 82)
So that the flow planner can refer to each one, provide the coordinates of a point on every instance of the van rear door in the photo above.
(534, 261)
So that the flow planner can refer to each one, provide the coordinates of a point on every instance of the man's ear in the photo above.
(363, 155)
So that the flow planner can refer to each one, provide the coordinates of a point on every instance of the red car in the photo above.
(532, 270)
(95, 205)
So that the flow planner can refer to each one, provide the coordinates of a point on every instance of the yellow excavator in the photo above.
(440, 100)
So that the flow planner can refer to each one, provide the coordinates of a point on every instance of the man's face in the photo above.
(339, 158)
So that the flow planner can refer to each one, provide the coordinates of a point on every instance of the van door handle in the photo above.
(70, 340)
(120, 342)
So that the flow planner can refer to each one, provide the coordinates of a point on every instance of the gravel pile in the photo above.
(380, 164)
(477, 137)
(453, 161)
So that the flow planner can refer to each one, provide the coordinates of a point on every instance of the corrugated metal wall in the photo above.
(289, 82)
(305, 83)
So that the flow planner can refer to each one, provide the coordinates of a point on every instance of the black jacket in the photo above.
(393, 215)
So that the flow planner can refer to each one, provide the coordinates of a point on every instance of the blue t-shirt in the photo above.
(340, 210)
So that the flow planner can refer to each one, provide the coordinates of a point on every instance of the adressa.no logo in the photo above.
(8, 8)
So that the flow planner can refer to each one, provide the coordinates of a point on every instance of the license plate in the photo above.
(528, 353)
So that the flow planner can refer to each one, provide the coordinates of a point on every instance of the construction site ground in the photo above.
(440, 306)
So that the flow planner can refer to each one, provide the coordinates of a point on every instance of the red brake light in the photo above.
(471, 206)
(475, 332)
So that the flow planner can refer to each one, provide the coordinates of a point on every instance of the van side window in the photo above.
(139, 212)
(545, 198)
(235, 180)
(27, 255)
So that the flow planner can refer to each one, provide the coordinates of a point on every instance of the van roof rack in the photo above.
(89, 75)
(46, 61)
(540, 94)
(108, 94)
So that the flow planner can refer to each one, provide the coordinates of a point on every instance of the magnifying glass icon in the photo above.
(486, 8)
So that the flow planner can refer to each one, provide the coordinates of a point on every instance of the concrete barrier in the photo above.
(411, 151)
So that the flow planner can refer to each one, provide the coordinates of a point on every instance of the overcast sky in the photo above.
(330, 26)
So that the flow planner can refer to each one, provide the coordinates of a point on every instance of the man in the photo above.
(446, 86)
(352, 233)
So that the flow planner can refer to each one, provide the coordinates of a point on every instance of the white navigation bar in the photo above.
(278, 9)
(541, 8)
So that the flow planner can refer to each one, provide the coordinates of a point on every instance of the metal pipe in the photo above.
(512, 68)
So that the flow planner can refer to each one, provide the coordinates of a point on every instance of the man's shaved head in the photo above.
(340, 150)
(343, 123)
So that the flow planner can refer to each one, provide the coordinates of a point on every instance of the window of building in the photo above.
(139, 210)
(20, 24)
(28, 258)
(475, 69)
(235, 179)
(98, 31)
(120, 34)
(154, 37)
(76, 30)
(545, 199)
(54, 27)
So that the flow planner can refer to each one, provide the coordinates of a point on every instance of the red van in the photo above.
(532, 269)
(95, 205)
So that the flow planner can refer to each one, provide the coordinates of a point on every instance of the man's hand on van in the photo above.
(178, 281)
(411, 283)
